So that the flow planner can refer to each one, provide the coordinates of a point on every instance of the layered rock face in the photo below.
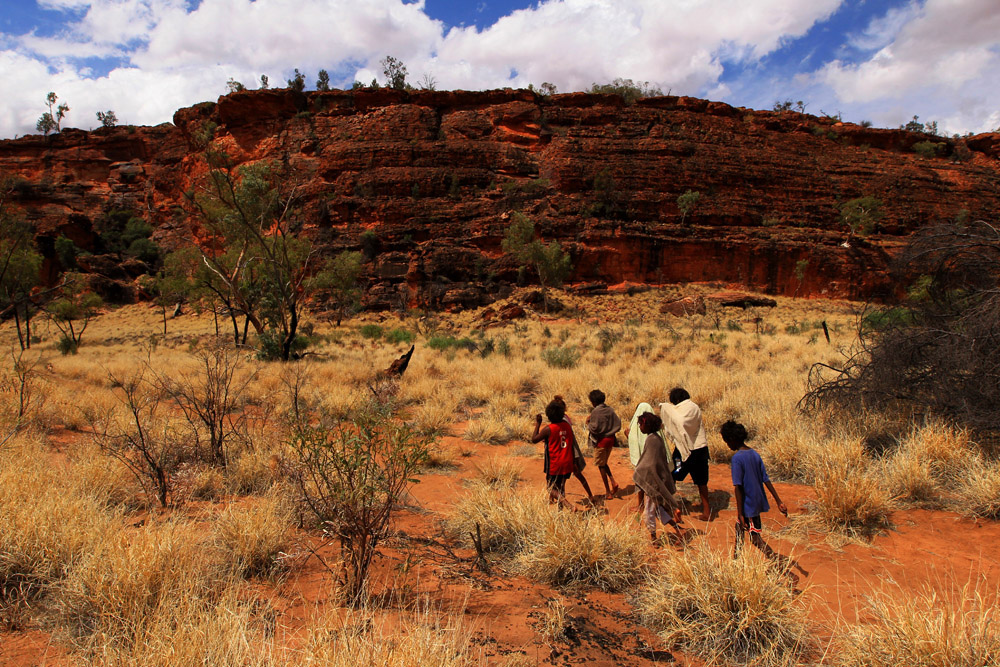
(436, 176)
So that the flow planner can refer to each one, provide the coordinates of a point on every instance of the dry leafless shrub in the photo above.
(951, 628)
(726, 611)
(20, 388)
(137, 434)
(939, 353)
(350, 477)
(212, 397)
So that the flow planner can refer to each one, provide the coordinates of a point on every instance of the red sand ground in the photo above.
(924, 547)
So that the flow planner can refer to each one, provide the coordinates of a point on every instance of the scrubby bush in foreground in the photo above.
(726, 611)
(548, 544)
(932, 629)
(350, 476)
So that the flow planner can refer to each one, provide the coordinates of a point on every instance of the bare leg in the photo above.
(583, 482)
(758, 541)
(706, 510)
(612, 488)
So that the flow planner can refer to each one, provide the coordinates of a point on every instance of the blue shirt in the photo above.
(748, 472)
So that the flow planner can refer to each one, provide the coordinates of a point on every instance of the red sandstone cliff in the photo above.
(436, 174)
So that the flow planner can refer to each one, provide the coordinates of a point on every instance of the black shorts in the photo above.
(557, 483)
(752, 522)
(696, 465)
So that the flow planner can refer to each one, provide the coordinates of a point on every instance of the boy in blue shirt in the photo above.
(749, 479)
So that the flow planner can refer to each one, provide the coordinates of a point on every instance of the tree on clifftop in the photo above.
(395, 73)
(548, 260)
(51, 119)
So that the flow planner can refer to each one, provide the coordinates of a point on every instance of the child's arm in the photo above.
(642, 500)
(539, 435)
(739, 501)
(781, 505)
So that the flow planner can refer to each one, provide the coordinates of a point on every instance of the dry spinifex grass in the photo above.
(726, 611)
(548, 544)
(953, 627)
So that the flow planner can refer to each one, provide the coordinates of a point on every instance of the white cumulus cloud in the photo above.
(169, 53)
(942, 62)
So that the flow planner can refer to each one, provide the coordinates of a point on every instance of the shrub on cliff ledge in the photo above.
(627, 89)
(547, 259)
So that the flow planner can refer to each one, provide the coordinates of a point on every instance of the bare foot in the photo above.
(704, 516)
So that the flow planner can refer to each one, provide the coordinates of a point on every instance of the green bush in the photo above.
(928, 149)
(503, 347)
(66, 252)
(400, 336)
(372, 331)
(560, 357)
(67, 345)
(269, 346)
(439, 342)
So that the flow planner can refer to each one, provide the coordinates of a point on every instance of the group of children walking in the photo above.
(657, 466)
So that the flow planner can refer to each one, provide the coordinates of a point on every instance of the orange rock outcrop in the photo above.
(436, 175)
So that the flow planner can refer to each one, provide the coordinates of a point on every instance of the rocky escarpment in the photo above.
(436, 175)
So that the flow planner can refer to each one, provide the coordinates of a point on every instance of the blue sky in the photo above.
(879, 60)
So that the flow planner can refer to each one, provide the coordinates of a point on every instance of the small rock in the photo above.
(688, 305)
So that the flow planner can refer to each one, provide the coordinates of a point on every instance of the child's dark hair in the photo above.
(679, 395)
(596, 397)
(649, 422)
(734, 434)
(555, 411)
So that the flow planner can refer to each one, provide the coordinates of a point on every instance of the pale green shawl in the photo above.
(637, 439)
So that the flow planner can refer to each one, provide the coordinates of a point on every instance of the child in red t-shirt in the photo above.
(558, 436)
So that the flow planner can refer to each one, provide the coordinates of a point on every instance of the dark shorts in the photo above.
(696, 465)
(556, 483)
(752, 522)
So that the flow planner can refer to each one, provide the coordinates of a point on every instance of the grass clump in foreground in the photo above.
(726, 611)
(933, 629)
(550, 545)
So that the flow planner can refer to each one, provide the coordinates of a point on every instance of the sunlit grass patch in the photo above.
(725, 611)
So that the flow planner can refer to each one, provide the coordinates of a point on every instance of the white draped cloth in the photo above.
(682, 422)
(637, 439)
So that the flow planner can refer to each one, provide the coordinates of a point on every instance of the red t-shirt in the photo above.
(560, 449)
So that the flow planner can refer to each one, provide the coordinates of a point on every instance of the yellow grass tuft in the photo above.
(361, 638)
(849, 501)
(979, 492)
(726, 611)
(498, 472)
(130, 581)
(46, 526)
(253, 535)
(185, 632)
(549, 544)
(931, 629)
